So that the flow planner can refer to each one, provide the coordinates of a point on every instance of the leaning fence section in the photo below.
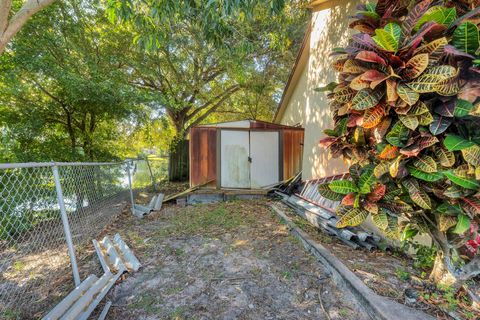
(49, 214)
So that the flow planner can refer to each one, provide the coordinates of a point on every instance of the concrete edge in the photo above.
(377, 307)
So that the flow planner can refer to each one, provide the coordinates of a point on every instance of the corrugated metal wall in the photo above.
(203, 155)
(292, 152)
(203, 151)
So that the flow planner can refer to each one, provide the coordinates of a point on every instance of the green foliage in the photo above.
(74, 86)
(413, 74)
(402, 274)
(210, 61)
(466, 37)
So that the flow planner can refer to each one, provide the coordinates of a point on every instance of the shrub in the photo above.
(407, 116)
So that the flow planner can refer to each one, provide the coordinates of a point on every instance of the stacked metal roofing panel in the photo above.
(320, 212)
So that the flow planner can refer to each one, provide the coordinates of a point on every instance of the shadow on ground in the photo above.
(232, 260)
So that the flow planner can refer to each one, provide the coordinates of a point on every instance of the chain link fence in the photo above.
(49, 214)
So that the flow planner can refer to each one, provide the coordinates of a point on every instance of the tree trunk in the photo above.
(443, 268)
(178, 164)
(441, 273)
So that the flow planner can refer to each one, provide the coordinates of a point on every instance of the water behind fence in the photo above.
(49, 214)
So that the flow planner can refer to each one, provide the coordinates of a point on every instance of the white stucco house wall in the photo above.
(302, 105)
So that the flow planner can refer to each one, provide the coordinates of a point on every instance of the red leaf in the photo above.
(470, 91)
(360, 42)
(454, 52)
(384, 6)
(373, 75)
(389, 152)
(373, 117)
(418, 37)
(354, 120)
(327, 142)
(349, 199)
(471, 205)
(412, 18)
(377, 193)
(421, 143)
(370, 56)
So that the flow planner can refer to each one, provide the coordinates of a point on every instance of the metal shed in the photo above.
(247, 154)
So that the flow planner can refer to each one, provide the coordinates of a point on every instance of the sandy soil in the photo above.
(232, 260)
(391, 274)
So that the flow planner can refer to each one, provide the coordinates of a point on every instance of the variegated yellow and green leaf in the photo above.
(439, 14)
(380, 220)
(430, 177)
(419, 109)
(352, 218)
(467, 183)
(472, 155)
(425, 83)
(343, 94)
(398, 135)
(417, 195)
(381, 169)
(435, 46)
(353, 67)
(366, 99)
(367, 178)
(446, 158)
(411, 122)
(425, 119)
(343, 186)
(446, 222)
(425, 163)
(416, 66)
(326, 192)
(388, 38)
(448, 87)
(407, 94)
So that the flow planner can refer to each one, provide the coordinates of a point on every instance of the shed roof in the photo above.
(248, 123)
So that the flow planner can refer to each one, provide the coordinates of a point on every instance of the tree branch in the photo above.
(5, 6)
(227, 92)
(11, 28)
(213, 108)
(470, 270)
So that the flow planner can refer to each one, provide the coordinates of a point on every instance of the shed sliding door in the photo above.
(235, 167)
(248, 159)
(264, 168)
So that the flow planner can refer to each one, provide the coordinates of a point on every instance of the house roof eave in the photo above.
(298, 67)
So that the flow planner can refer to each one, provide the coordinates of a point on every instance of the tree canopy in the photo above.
(102, 80)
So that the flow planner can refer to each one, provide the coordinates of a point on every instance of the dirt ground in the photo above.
(392, 274)
(231, 260)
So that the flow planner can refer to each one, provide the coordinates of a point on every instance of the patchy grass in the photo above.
(147, 302)
(230, 260)
(198, 220)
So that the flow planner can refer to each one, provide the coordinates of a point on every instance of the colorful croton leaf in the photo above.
(406, 108)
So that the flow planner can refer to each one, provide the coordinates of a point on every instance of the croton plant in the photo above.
(407, 117)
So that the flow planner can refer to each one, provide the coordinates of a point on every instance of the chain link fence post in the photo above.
(154, 184)
(66, 226)
(130, 185)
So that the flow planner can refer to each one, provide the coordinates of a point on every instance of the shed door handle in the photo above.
(250, 159)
